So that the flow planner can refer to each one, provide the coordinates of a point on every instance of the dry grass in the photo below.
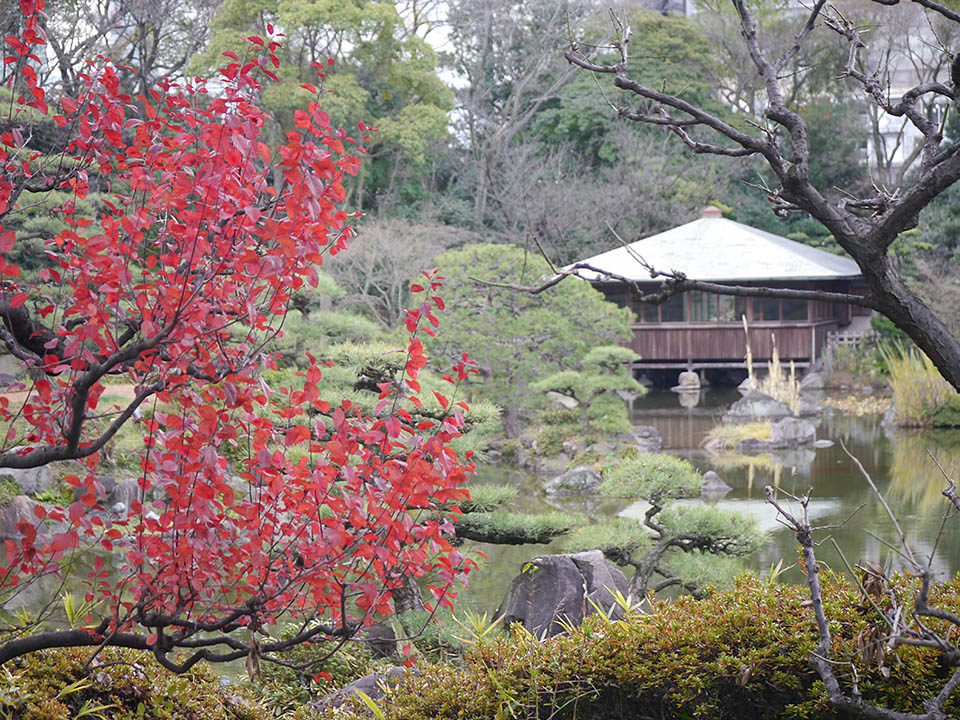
(779, 383)
(727, 435)
(920, 393)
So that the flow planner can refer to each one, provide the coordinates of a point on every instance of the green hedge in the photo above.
(122, 685)
(738, 654)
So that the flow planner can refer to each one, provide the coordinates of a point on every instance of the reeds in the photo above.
(778, 383)
(920, 394)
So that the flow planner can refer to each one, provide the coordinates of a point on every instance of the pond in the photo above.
(900, 462)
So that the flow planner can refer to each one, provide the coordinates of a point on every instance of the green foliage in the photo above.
(617, 538)
(515, 337)
(550, 438)
(514, 528)
(284, 689)
(651, 475)
(124, 685)
(310, 333)
(704, 570)
(484, 498)
(61, 495)
(602, 372)
(675, 58)
(736, 654)
(857, 366)
(373, 70)
(940, 223)
(835, 136)
(920, 394)
(9, 489)
(722, 531)
(608, 416)
(887, 332)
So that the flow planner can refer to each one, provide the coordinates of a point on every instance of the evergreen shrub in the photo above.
(737, 654)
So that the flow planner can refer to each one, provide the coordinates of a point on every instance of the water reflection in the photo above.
(899, 462)
(920, 460)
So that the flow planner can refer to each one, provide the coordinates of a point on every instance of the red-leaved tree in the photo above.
(254, 502)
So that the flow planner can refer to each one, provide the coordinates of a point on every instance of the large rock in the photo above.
(688, 379)
(563, 401)
(812, 381)
(648, 437)
(31, 481)
(124, 493)
(810, 404)
(381, 640)
(748, 385)
(103, 488)
(375, 686)
(756, 406)
(792, 432)
(554, 588)
(22, 508)
(581, 480)
(713, 485)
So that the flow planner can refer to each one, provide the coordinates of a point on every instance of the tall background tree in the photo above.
(376, 68)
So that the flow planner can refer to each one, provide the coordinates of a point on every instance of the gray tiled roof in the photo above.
(715, 249)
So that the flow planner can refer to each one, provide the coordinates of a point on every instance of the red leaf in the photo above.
(297, 434)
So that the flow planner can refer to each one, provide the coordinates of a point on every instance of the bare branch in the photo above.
(676, 283)
(801, 36)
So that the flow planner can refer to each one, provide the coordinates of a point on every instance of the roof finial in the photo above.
(712, 211)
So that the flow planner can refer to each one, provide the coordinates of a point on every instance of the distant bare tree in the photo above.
(937, 283)
(387, 255)
(157, 37)
(567, 205)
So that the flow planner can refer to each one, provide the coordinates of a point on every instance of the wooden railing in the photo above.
(852, 339)
(726, 342)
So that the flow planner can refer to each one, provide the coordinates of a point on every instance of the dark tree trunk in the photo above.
(510, 418)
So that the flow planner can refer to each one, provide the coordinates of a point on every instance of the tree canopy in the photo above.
(514, 338)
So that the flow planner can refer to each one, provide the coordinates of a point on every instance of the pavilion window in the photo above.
(766, 308)
(703, 307)
(616, 294)
(673, 309)
(793, 309)
(728, 309)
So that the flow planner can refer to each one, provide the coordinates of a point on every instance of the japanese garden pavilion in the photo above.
(698, 330)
